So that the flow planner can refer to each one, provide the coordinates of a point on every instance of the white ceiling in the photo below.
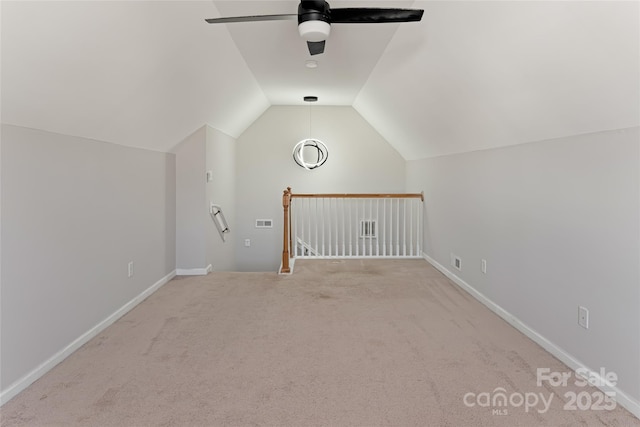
(138, 73)
(489, 74)
(471, 75)
(276, 54)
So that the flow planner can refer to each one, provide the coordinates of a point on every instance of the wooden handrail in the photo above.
(286, 204)
(362, 196)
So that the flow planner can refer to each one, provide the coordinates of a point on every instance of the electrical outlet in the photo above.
(130, 269)
(247, 242)
(583, 317)
(483, 266)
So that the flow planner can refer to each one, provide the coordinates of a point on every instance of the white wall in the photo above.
(199, 244)
(558, 223)
(74, 213)
(360, 160)
(191, 206)
(221, 154)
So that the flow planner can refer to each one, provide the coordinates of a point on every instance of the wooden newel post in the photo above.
(286, 202)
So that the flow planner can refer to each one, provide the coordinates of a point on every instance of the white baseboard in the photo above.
(31, 377)
(194, 271)
(628, 402)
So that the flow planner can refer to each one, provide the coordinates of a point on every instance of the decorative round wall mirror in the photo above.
(310, 153)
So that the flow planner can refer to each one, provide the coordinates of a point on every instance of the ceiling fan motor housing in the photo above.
(314, 20)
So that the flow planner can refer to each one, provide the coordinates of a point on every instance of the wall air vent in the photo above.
(264, 223)
(368, 228)
(456, 262)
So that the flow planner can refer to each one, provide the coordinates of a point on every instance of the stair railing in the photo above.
(386, 225)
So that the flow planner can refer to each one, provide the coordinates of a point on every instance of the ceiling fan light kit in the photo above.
(314, 31)
(316, 16)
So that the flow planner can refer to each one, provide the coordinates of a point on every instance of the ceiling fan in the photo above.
(316, 16)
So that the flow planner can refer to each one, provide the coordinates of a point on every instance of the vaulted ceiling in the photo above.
(471, 75)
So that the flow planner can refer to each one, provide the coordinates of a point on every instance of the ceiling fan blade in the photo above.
(316, 48)
(372, 15)
(251, 18)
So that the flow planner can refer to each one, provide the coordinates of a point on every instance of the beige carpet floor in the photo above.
(338, 343)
